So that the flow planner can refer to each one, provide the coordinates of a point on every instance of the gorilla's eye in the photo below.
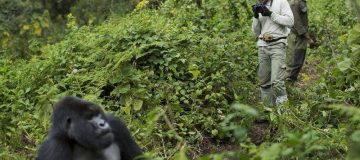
(89, 115)
(68, 122)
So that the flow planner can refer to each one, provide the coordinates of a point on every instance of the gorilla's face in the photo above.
(91, 130)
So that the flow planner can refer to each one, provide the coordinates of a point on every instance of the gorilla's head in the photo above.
(83, 122)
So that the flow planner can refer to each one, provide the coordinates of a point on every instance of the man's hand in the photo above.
(266, 12)
(311, 43)
(256, 13)
(310, 40)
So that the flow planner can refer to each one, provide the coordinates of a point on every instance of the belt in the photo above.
(273, 40)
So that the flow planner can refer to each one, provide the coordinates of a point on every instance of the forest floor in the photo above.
(261, 130)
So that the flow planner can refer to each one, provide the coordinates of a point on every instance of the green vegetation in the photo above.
(181, 73)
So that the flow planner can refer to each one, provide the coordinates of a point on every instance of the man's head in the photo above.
(264, 1)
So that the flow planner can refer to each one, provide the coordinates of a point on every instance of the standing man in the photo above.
(271, 23)
(298, 39)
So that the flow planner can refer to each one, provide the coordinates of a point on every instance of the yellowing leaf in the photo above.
(7, 34)
(38, 31)
(138, 105)
(141, 4)
(193, 69)
(45, 24)
(36, 24)
(306, 78)
(26, 27)
(126, 110)
(195, 73)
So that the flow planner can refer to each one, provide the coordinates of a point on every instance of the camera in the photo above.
(259, 8)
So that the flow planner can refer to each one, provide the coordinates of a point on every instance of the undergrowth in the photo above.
(180, 73)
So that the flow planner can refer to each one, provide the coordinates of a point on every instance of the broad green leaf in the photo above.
(121, 90)
(356, 136)
(214, 132)
(138, 105)
(271, 153)
(195, 73)
(245, 108)
(181, 155)
(344, 65)
(218, 157)
(152, 117)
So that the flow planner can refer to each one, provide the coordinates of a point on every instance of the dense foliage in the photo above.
(28, 25)
(181, 73)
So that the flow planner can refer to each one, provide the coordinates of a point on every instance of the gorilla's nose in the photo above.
(103, 124)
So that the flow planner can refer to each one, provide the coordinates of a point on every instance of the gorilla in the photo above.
(82, 131)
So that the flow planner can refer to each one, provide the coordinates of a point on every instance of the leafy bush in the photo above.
(25, 26)
(147, 62)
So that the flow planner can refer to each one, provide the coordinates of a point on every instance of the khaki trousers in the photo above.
(272, 71)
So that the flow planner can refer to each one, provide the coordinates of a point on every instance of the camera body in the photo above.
(259, 7)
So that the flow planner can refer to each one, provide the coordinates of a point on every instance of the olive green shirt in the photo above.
(299, 10)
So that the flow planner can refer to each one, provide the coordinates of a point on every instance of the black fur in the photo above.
(74, 133)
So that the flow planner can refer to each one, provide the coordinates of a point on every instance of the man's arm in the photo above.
(285, 17)
(256, 27)
(299, 27)
(299, 9)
